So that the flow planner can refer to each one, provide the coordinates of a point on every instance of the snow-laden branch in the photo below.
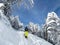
(26, 3)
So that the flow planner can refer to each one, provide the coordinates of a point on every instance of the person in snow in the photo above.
(26, 32)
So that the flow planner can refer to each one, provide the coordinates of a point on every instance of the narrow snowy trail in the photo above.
(32, 40)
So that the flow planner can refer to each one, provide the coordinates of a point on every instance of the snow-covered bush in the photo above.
(15, 22)
(34, 28)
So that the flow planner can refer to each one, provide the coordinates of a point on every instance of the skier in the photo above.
(26, 32)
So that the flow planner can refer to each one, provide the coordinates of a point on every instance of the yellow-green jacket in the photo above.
(26, 33)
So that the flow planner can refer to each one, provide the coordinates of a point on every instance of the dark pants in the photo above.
(26, 37)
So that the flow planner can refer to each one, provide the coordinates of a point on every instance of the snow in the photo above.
(51, 21)
(9, 36)
(1, 4)
(52, 26)
(33, 28)
(49, 28)
(52, 16)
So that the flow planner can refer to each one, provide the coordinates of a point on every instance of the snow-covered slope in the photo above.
(9, 36)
